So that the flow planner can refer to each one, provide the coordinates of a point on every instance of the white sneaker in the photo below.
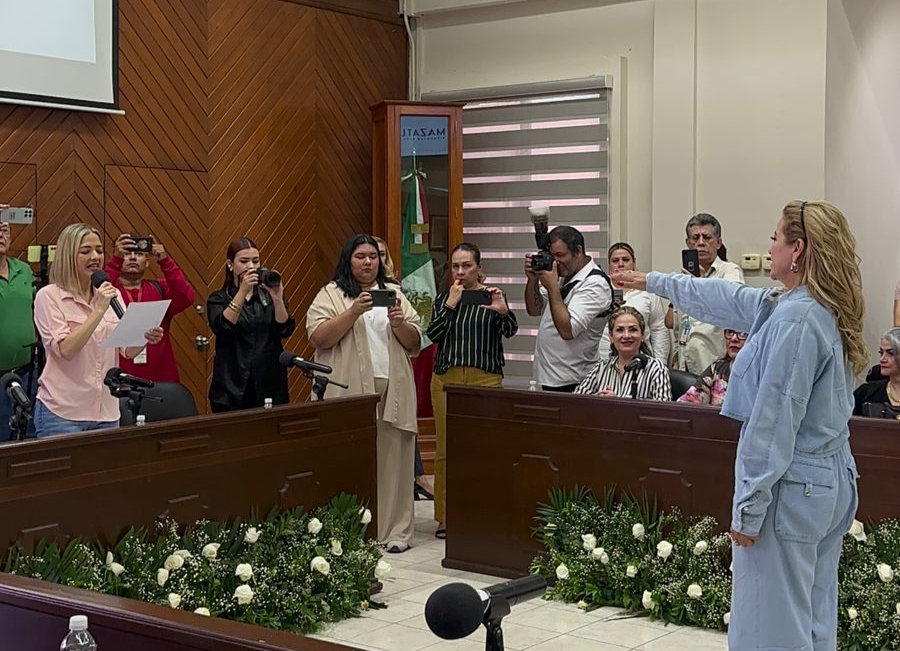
(396, 547)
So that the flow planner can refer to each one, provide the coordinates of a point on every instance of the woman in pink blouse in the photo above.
(73, 320)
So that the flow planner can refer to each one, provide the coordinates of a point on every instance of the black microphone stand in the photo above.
(320, 383)
(493, 618)
(135, 398)
(18, 422)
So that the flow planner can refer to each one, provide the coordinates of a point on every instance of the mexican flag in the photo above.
(418, 273)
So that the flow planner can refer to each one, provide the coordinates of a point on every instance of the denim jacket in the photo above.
(790, 385)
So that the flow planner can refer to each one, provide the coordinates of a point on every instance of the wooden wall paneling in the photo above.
(18, 188)
(173, 207)
(382, 10)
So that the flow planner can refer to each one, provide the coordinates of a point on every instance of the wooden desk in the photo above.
(97, 484)
(34, 616)
(516, 445)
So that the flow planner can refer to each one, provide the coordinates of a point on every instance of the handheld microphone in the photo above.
(287, 358)
(456, 610)
(98, 278)
(12, 385)
(116, 377)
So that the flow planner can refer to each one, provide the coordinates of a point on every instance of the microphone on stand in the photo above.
(11, 384)
(98, 278)
(116, 377)
(287, 358)
(636, 364)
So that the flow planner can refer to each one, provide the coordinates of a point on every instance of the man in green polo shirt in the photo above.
(16, 322)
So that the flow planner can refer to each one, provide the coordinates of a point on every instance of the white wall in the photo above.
(735, 107)
(862, 142)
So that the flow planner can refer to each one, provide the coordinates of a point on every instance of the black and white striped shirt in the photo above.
(469, 335)
(652, 381)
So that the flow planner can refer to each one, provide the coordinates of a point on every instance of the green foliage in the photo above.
(605, 553)
(197, 567)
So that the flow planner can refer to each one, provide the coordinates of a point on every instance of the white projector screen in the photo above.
(60, 53)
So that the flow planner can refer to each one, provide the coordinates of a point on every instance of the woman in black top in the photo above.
(249, 320)
(470, 351)
(885, 391)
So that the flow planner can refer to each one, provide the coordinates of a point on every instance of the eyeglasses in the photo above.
(731, 334)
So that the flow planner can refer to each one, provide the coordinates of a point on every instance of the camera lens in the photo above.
(269, 277)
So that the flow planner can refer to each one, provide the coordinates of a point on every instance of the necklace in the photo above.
(890, 394)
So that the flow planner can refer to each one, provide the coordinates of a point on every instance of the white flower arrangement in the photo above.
(600, 554)
(589, 542)
(251, 536)
(679, 570)
(244, 571)
(314, 526)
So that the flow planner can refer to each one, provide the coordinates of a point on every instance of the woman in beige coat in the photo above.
(369, 349)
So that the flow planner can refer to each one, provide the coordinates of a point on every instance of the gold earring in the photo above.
(794, 266)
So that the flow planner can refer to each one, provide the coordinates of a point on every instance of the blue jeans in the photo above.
(6, 410)
(49, 424)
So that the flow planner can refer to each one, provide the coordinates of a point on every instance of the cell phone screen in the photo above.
(475, 297)
(383, 297)
(690, 260)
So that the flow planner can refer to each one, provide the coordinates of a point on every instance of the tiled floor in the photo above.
(536, 625)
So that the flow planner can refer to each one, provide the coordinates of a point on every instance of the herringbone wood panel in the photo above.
(242, 117)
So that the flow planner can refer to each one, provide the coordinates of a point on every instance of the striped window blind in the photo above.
(549, 149)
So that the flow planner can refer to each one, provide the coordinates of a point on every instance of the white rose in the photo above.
(174, 599)
(631, 572)
(562, 572)
(700, 547)
(638, 531)
(726, 618)
(664, 549)
(210, 551)
(647, 600)
(243, 594)
(244, 571)
(581, 605)
(336, 548)
(885, 572)
(202, 611)
(366, 517)
(185, 554)
(162, 575)
(314, 526)
(173, 562)
(109, 559)
(319, 564)
(589, 541)
(694, 591)
(251, 536)
(382, 569)
(116, 568)
(600, 554)
(858, 531)
(852, 614)
(731, 567)
(898, 608)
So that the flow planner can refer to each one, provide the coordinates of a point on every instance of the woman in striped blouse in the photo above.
(470, 351)
(630, 365)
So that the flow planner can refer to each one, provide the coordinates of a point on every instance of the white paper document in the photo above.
(138, 319)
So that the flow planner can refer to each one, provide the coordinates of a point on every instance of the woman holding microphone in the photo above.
(249, 320)
(792, 388)
(369, 349)
(470, 350)
(73, 319)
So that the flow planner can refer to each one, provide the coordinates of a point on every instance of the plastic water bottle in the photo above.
(532, 385)
(141, 420)
(267, 404)
(78, 638)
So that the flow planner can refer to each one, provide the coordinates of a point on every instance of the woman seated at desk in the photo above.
(629, 371)
(885, 391)
(712, 383)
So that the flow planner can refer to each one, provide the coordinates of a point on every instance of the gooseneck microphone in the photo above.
(98, 278)
(11, 384)
(116, 377)
(636, 364)
(288, 358)
(456, 610)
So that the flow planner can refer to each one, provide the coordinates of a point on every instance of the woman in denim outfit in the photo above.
(792, 388)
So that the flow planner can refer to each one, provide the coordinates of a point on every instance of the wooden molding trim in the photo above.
(386, 11)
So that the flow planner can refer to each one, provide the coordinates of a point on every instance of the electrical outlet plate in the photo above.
(750, 261)
(766, 262)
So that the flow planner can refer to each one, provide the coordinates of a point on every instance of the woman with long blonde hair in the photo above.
(791, 386)
(73, 319)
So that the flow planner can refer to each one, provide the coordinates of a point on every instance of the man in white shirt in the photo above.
(698, 344)
(572, 299)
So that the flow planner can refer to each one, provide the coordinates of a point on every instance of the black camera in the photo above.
(268, 277)
(141, 244)
(542, 260)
